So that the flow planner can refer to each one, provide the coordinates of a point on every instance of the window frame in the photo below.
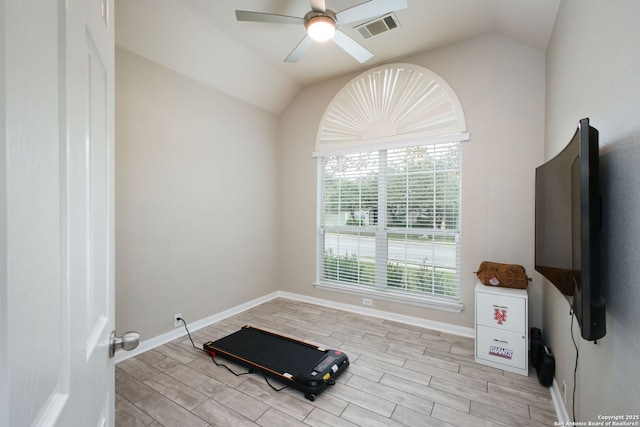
(391, 106)
(381, 289)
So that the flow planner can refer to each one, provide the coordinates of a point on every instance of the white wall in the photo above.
(171, 34)
(500, 84)
(195, 198)
(4, 326)
(593, 64)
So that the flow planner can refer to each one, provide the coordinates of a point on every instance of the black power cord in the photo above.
(575, 369)
(250, 371)
(189, 334)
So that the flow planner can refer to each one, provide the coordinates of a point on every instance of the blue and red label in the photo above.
(500, 352)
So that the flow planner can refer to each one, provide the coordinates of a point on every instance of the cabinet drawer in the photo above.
(499, 311)
(502, 347)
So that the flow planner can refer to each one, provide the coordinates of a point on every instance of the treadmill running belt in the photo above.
(281, 355)
(300, 364)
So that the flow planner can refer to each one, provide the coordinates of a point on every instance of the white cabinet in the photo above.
(502, 328)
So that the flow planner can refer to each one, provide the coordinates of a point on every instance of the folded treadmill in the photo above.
(298, 364)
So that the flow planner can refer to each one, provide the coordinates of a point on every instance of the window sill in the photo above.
(398, 297)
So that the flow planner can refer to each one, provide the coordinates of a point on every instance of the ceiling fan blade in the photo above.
(245, 15)
(370, 9)
(299, 50)
(318, 5)
(352, 47)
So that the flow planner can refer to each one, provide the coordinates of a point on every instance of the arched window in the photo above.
(389, 187)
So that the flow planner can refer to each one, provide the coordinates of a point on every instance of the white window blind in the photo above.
(390, 220)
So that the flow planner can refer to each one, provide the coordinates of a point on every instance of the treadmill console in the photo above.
(332, 364)
(332, 358)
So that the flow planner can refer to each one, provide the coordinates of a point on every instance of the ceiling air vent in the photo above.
(378, 25)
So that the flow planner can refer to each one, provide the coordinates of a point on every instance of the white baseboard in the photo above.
(159, 340)
(410, 320)
(558, 403)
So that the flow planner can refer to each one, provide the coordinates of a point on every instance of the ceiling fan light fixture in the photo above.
(320, 27)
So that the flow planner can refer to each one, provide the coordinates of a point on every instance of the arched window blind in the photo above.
(391, 105)
(388, 151)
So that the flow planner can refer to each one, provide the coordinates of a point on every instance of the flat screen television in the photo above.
(567, 228)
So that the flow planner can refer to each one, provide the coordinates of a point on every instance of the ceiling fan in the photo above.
(322, 24)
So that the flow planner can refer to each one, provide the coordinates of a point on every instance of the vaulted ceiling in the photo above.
(203, 40)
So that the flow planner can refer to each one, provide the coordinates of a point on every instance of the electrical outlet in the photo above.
(367, 301)
(176, 320)
(564, 392)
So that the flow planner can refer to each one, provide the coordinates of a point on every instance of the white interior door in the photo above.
(57, 301)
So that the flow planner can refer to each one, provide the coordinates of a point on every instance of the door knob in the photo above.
(127, 342)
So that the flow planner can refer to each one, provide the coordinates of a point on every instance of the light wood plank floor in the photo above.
(400, 375)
